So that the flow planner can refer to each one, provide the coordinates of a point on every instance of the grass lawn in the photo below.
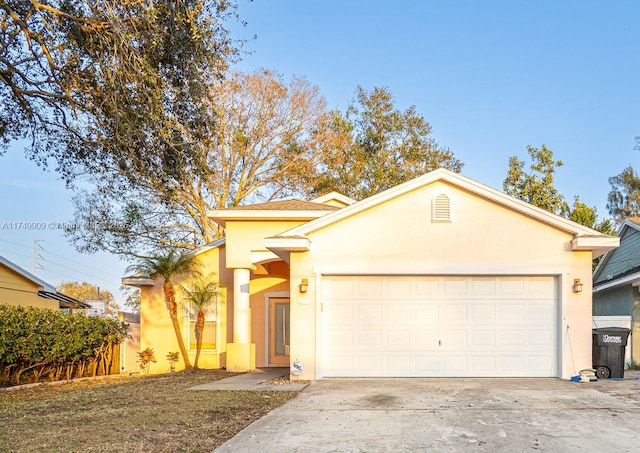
(129, 414)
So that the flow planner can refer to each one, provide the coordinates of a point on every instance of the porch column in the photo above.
(241, 353)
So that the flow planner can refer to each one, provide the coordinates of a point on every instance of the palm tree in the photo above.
(200, 293)
(167, 266)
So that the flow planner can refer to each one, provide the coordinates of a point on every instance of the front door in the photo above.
(279, 332)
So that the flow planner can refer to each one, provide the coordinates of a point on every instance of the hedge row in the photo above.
(37, 344)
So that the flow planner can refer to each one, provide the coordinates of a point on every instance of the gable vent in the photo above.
(441, 209)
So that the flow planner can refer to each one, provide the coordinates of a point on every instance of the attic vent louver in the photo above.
(441, 209)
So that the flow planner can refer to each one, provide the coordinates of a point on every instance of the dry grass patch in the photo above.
(134, 414)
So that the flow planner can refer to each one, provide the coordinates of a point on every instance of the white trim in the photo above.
(292, 244)
(563, 326)
(437, 269)
(267, 312)
(320, 349)
(222, 216)
(260, 256)
(455, 179)
(617, 282)
(334, 196)
(211, 245)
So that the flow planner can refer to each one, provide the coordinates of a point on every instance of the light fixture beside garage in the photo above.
(577, 285)
(304, 285)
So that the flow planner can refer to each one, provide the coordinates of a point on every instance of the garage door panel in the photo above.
(483, 365)
(483, 312)
(512, 312)
(369, 286)
(454, 311)
(538, 366)
(543, 337)
(440, 326)
(512, 365)
(454, 365)
(541, 311)
(426, 339)
(511, 338)
(453, 338)
(483, 339)
(455, 287)
(399, 312)
(399, 338)
(369, 312)
(426, 365)
(367, 339)
(484, 287)
(400, 287)
(426, 312)
(428, 286)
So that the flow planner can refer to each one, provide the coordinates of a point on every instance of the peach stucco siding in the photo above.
(398, 237)
(268, 253)
(247, 237)
(156, 330)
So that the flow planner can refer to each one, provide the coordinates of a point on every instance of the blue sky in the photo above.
(490, 76)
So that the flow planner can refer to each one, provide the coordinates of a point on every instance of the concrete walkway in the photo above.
(253, 380)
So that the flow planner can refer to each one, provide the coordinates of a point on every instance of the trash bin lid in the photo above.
(611, 336)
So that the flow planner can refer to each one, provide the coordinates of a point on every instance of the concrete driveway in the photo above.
(494, 415)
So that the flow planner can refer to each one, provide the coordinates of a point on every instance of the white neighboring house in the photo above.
(97, 307)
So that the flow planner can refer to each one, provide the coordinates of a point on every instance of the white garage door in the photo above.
(443, 326)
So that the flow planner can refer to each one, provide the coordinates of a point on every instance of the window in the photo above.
(441, 208)
(209, 333)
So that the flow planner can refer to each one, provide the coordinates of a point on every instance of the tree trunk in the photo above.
(169, 295)
(200, 331)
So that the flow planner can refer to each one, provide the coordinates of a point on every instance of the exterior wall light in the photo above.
(577, 285)
(304, 285)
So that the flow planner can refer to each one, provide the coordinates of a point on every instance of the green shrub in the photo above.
(37, 343)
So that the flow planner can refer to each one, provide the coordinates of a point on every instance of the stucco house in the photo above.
(615, 285)
(440, 277)
(19, 287)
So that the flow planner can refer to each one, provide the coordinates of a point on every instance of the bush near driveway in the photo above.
(130, 414)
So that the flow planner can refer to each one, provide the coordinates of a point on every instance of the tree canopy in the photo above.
(254, 145)
(109, 84)
(624, 199)
(374, 146)
(537, 187)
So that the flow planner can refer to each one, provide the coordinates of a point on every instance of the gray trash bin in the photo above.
(608, 350)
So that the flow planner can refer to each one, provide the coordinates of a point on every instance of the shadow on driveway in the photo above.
(504, 415)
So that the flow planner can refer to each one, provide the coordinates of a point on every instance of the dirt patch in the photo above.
(285, 379)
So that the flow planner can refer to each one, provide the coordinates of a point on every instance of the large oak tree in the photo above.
(254, 144)
(111, 83)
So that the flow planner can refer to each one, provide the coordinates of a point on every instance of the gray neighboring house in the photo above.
(616, 282)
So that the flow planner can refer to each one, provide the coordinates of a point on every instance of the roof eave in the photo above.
(222, 216)
(597, 245)
(464, 183)
(289, 244)
(137, 281)
(632, 279)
